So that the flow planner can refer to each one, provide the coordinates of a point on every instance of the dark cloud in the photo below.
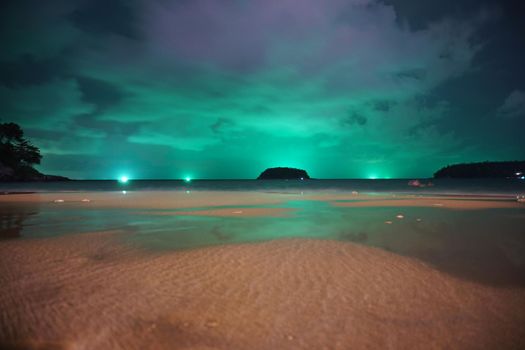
(99, 93)
(29, 70)
(111, 128)
(102, 17)
(221, 124)
(37, 28)
(382, 105)
(415, 73)
(419, 14)
(514, 105)
(354, 119)
(45, 134)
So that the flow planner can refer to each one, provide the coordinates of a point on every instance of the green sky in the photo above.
(225, 89)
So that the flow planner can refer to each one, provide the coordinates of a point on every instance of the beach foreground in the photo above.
(103, 290)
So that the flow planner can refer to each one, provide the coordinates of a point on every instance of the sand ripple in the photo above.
(91, 291)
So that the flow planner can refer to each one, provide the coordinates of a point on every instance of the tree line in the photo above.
(512, 169)
(18, 155)
(15, 150)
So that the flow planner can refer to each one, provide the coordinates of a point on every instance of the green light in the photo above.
(372, 177)
(187, 179)
(123, 179)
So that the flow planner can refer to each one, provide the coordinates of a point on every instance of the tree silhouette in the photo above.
(512, 169)
(15, 151)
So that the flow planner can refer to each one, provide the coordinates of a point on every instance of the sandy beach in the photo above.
(103, 290)
(262, 175)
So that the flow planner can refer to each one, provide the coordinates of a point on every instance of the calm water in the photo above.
(487, 246)
(441, 186)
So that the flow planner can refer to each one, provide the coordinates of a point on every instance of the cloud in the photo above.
(230, 79)
(36, 28)
(354, 119)
(103, 17)
(49, 105)
(28, 70)
(99, 93)
(514, 105)
(336, 55)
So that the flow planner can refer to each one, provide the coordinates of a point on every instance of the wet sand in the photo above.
(194, 199)
(463, 203)
(101, 290)
(148, 199)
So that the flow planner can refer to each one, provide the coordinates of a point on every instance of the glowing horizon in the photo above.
(342, 89)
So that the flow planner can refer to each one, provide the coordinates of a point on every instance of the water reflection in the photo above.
(13, 219)
(485, 246)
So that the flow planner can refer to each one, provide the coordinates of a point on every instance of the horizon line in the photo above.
(248, 179)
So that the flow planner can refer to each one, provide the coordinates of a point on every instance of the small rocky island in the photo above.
(282, 173)
(514, 169)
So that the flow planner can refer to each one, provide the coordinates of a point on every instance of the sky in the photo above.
(226, 88)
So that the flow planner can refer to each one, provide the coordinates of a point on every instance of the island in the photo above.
(512, 169)
(283, 173)
(18, 155)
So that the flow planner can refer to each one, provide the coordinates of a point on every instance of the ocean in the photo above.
(497, 187)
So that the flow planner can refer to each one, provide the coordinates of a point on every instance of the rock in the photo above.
(54, 178)
(417, 183)
(26, 173)
(281, 173)
(414, 183)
